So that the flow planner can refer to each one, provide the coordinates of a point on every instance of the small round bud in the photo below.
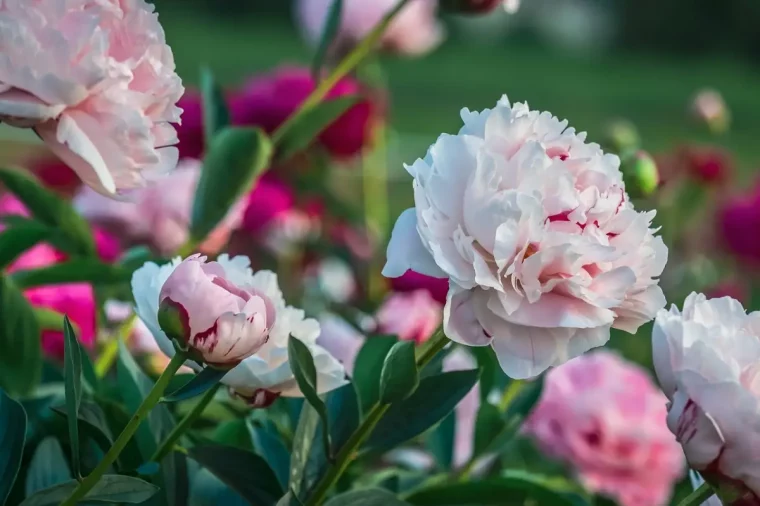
(709, 108)
(620, 136)
(639, 173)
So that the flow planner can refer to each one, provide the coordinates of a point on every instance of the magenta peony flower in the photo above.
(76, 300)
(709, 165)
(96, 81)
(158, 214)
(190, 131)
(606, 418)
(410, 281)
(268, 100)
(412, 316)
(738, 223)
(414, 31)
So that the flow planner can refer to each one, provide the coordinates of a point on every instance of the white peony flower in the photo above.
(543, 250)
(262, 377)
(707, 359)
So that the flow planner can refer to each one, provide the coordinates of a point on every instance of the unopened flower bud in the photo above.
(639, 173)
(620, 136)
(709, 107)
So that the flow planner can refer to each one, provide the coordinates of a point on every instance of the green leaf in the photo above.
(91, 422)
(75, 270)
(112, 488)
(332, 23)
(216, 116)
(303, 469)
(21, 357)
(12, 437)
(302, 364)
(72, 373)
(243, 471)
(174, 479)
(48, 467)
(311, 124)
(368, 367)
(343, 409)
(435, 398)
(489, 367)
(51, 210)
(268, 444)
(370, 497)
(16, 240)
(527, 397)
(198, 384)
(399, 377)
(235, 159)
(488, 425)
(513, 488)
(134, 386)
(208, 490)
(441, 441)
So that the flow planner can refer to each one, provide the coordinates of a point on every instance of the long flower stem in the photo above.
(154, 396)
(348, 64)
(375, 200)
(111, 351)
(700, 495)
(168, 445)
(349, 450)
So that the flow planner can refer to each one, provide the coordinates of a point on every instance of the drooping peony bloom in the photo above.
(158, 214)
(531, 225)
(738, 222)
(272, 217)
(96, 81)
(606, 418)
(410, 281)
(265, 375)
(707, 359)
(414, 31)
(412, 316)
(76, 300)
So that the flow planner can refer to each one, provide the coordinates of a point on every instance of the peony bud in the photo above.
(621, 135)
(220, 322)
(640, 174)
(709, 107)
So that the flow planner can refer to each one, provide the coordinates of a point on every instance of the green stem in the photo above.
(169, 443)
(154, 396)
(376, 213)
(348, 64)
(108, 356)
(700, 495)
(349, 450)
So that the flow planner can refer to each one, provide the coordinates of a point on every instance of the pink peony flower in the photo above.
(55, 174)
(268, 100)
(158, 214)
(605, 417)
(410, 281)
(96, 81)
(414, 31)
(76, 300)
(412, 316)
(707, 359)
(543, 250)
(222, 323)
(738, 222)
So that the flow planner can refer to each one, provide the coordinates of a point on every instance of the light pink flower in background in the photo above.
(264, 376)
(531, 224)
(96, 81)
(709, 107)
(707, 359)
(331, 278)
(606, 418)
(412, 316)
(158, 214)
(76, 300)
(414, 31)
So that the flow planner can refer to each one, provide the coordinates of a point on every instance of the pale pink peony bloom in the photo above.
(606, 418)
(414, 31)
(95, 79)
(412, 316)
(222, 322)
(264, 376)
(707, 359)
(543, 250)
(158, 214)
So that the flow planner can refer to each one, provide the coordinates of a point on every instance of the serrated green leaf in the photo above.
(21, 358)
(399, 377)
(301, 134)
(12, 437)
(112, 489)
(236, 158)
(51, 210)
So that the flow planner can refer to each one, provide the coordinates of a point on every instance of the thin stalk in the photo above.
(154, 396)
(169, 443)
(349, 450)
(107, 358)
(700, 495)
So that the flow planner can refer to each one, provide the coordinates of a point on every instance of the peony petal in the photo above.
(19, 106)
(555, 310)
(460, 324)
(406, 252)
